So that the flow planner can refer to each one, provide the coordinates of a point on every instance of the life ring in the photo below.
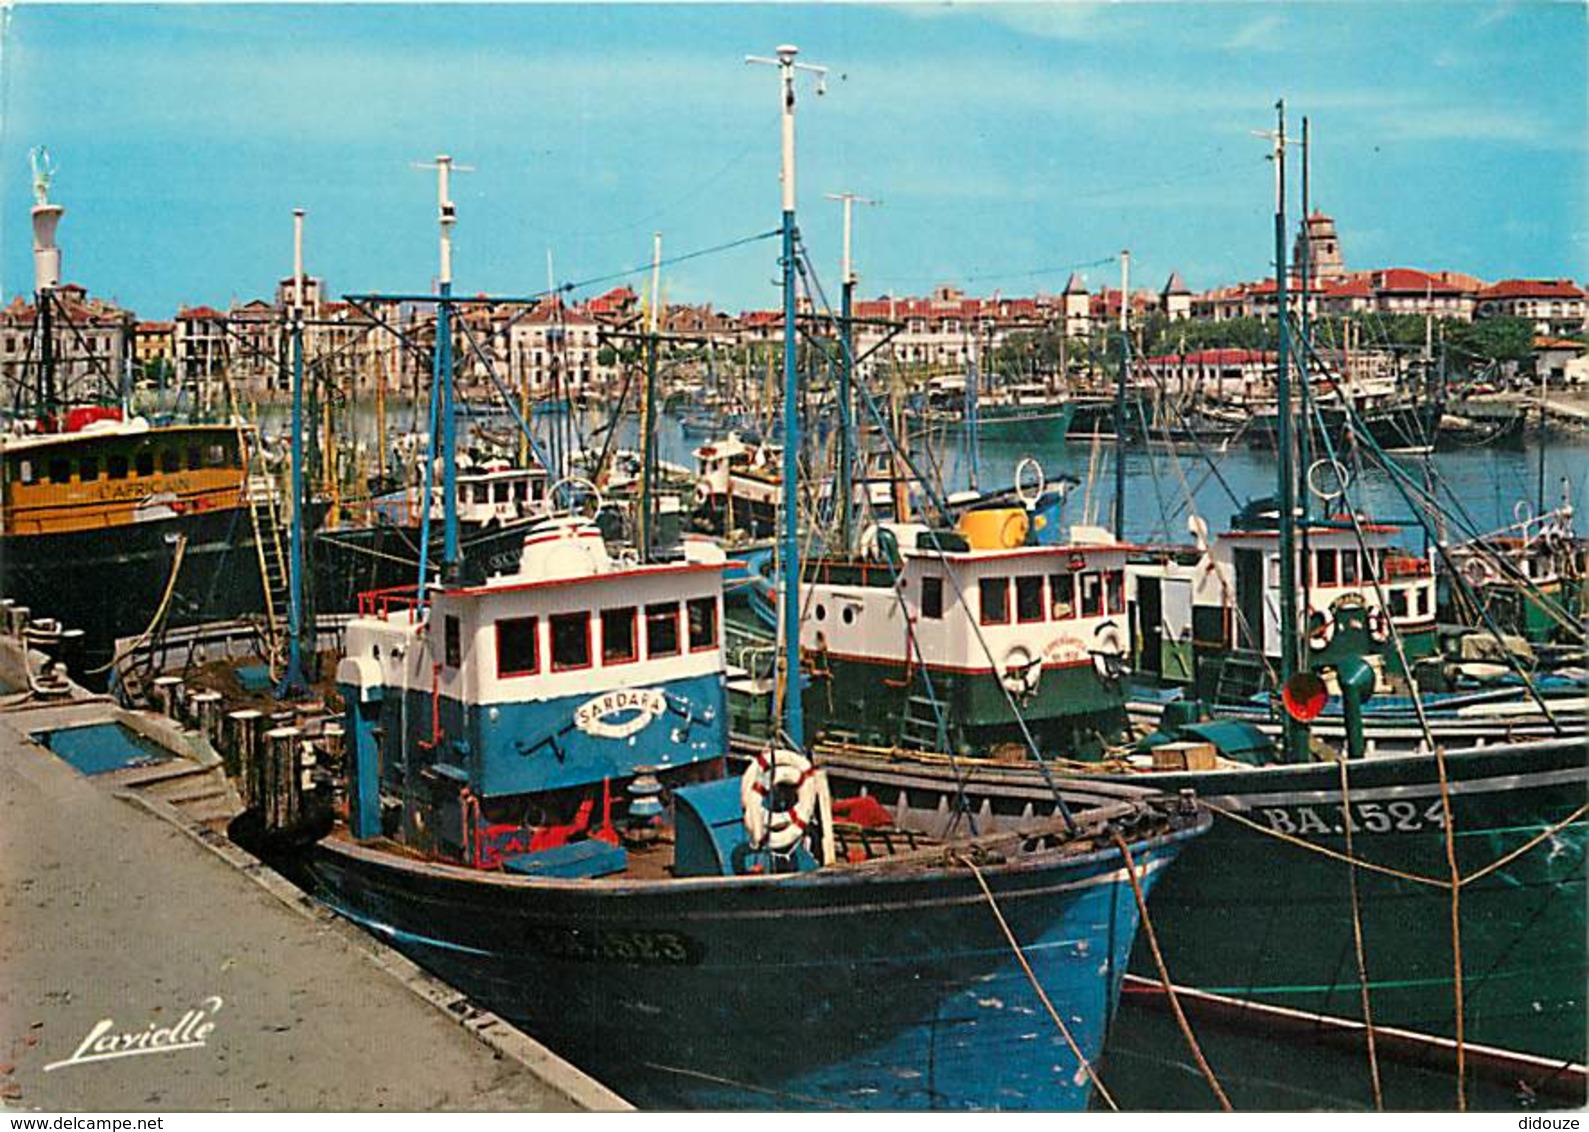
(1030, 500)
(1021, 672)
(763, 792)
(1378, 626)
(1475, 572)
(702, 494)
(1109, 652)
(1321, 629)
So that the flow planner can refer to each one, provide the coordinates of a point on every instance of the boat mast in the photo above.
(1120, 396)
(648, 404)
(847, 445)
(789, 544)
(292, 679)
(1305, 359)
(1287, 518)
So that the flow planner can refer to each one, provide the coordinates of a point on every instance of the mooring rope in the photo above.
(159, 614)
(1164, 976)
(1031, 976)
(1362, 957)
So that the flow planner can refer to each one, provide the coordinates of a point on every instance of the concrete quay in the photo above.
(147, 963)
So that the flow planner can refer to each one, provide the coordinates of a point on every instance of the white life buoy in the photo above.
(771, 821)
(702, 494)
(1021, 672)
(1321, 629)
(1109, 652)
(1378, 626)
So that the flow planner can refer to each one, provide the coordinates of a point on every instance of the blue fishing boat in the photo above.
(541, 813)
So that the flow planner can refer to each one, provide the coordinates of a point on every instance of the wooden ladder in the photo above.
(261, 495)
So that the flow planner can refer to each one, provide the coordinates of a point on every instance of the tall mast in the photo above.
(789, 543)
(1120, 396)
(292, 679)
(1287, 517)
(648, 404)
(847, 445)
(1305, 271)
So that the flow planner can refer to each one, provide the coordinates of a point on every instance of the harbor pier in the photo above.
(151, 964)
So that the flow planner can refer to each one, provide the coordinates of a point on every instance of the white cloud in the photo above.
(1262, 34)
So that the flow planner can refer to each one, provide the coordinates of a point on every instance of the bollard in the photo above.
(168, 696)
(205, 709)
(17, 620)
(241, 751)
(331, 744)
(281, 786)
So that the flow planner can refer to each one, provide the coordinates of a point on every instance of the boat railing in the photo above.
(393, 599)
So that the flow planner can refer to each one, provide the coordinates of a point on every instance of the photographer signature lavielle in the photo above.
(105, 1043)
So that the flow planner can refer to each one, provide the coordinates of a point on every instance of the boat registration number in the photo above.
(1358, 817)
(617, 946)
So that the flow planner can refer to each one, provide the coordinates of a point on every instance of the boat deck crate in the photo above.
(1185, 756)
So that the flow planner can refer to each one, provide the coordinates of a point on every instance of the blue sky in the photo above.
(1009, 144)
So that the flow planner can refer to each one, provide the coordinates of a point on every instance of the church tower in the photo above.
(1323, 246)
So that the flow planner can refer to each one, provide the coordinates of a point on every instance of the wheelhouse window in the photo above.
(195, 458)
(1398, 601)
(618, 637)
(1092, 595)
(1115, 590)
(116, 467)
(1029, 597)
(88, 469)
(452, 642)
(932, 596)
(570, 641)
(702, 615)
(60, 470)
(215, 456)
(662, 629)
(170, 460)
(1062, 594)
(518, 649)
(1349, 567)
(145, 463)
(995, 594)
(1325, 572)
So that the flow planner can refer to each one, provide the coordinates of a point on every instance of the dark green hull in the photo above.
(885, 705)
(1264, 914)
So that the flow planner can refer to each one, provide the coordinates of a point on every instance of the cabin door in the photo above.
(1175, 664)
(1249, 599)
(1149, 626)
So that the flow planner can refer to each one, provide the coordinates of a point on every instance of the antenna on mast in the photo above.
(447, 212)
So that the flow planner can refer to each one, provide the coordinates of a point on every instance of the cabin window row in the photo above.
(1030, 598)
(573, 640)
(119, 466)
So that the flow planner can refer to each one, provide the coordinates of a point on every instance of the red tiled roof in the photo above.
(1215, 357)
(194, 313)
(1533, 289)
(1411, 280)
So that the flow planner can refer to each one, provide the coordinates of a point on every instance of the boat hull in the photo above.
(111, 582)
(1262, 908)
(861, 988)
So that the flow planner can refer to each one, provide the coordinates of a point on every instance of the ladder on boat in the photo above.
(924, 725)
(261, 495)
(1242, 674)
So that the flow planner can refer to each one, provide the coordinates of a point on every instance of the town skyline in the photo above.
(185, 136)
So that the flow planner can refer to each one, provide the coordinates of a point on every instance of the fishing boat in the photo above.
(514, 744)
(112, 524)
(737, 486)
(1029, 416)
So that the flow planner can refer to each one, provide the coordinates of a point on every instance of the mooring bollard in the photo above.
(17, 620)
(282, 787)
(241, 751)
(205, 709)
(168, 697)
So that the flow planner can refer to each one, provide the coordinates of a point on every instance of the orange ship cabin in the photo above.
(128, 472)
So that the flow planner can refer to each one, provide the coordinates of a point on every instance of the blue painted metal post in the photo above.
(292, 681)
(427, 488)
(789, 553)
(361, 714)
